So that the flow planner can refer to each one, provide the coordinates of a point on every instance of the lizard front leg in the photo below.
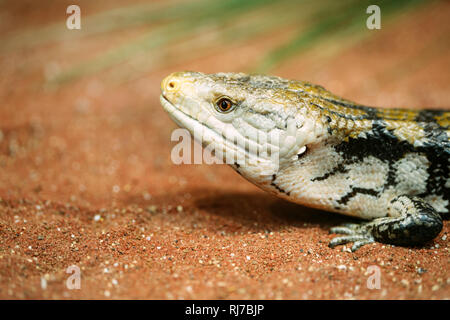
(410, 221)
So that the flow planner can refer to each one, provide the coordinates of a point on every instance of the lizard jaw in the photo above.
(206, 135)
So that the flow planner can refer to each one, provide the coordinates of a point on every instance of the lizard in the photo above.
(388, 167)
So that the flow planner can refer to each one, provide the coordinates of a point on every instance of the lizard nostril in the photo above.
(170, 84)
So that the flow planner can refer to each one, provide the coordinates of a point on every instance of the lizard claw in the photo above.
(355, 233)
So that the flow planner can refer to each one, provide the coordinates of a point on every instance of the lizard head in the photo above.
(257, 120)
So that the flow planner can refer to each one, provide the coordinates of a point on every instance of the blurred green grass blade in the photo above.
(111, 20)
(124, 17)
(216, 12)
(182, 24)
(231, 36)
(351, 19)
(223, 14)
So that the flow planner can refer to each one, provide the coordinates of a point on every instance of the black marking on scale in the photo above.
(346, 198)
(274, 177)
(372, 113)
(428, 115)
(384, 145)
(340, 168)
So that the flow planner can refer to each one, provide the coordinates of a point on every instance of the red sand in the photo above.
(86, 179)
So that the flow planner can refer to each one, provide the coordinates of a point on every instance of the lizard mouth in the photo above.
(209, 135)
(181, 119)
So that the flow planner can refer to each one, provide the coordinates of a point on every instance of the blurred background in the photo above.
(80, 120)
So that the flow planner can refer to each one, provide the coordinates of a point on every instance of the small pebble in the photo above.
(43, 283)
(146, 196)
(152, 209)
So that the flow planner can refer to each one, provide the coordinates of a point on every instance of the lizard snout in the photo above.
(171, 83)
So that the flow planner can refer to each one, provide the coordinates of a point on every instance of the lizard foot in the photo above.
(410, 221)
(356, 233)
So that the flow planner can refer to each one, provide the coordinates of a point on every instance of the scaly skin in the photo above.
(388, 166)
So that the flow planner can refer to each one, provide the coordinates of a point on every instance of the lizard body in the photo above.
(388, 166)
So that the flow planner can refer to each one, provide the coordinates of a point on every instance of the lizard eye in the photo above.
(224, 105)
